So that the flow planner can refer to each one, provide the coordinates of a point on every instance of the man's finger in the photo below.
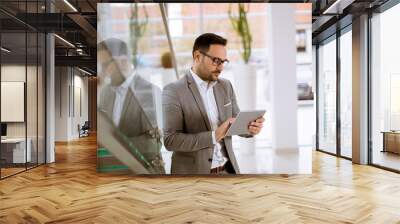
(260, 120)
(253, 132)
(252, 128)
(230, 120)
(255, 124)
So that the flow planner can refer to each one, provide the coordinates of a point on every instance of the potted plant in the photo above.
(166, 60)
(167, 72)
(244, 73)
(137, 29)
(241, 27)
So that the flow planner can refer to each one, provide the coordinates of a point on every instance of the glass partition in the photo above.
(346, 94)
(15, 149)
(327, 96)
(32, 98)
(41, 96)
(22, 88)
(385, 89)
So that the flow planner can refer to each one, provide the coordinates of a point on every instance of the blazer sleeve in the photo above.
(175, 139)
(235, 106)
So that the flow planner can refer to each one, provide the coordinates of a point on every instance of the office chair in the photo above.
(84, 130)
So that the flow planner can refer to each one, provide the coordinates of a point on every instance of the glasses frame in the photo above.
(215, 60)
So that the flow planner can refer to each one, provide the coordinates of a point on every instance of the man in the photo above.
(128, 100)
(198, 110)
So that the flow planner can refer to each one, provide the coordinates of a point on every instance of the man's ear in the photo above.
(196, 56)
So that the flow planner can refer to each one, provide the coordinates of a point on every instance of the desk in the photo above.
(15, 148)
(391, 141)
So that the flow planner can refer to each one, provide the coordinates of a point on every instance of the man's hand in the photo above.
(223, 128)
(256, 126)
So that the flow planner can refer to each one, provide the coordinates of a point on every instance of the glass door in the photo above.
(385, 89)
(346, 93)
(327, 96)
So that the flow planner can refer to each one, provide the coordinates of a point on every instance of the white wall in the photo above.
(61, 103)
(33, 126)
(12, 73)
(70, 83)
(17, 73)
(79, 117)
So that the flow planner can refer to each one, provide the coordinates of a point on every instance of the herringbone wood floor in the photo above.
(70, 191)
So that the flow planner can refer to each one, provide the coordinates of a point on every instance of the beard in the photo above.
(214, 76)
(207, 74)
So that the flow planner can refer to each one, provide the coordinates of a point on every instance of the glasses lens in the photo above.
(217, 61)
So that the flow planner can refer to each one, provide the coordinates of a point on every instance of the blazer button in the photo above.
(209, 160)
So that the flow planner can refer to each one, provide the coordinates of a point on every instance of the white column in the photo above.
(281, 49)
(63, 103)
(314, 88)
(360, 90)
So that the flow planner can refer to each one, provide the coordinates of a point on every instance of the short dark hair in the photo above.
(115, 46)
(204, 41)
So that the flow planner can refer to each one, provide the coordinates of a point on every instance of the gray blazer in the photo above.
(138, 121)
(187, 130)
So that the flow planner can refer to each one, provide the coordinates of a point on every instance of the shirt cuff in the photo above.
(213, 137)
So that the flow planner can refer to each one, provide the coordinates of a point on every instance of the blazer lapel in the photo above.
(198, 99)
(219, 94)
(124, 112)
(107, 101)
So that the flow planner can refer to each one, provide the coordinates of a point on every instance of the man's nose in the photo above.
(218, 70)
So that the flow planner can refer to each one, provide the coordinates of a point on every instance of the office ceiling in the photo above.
(24, 48)
(331, 15)
(74, 21)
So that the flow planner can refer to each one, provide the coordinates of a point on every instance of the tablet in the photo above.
(243, 119)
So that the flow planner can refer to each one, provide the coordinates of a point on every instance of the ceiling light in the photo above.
(65, 41)
(337, 7)
(5, 50)
(70, 5)
(84, 71)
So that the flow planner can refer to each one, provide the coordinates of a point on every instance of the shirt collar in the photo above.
(128, 81)
(202, 83)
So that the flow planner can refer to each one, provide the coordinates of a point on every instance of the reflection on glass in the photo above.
(127, 104)
(327, 97)
(346, 94)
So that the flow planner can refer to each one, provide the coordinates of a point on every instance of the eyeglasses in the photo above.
(216, 61)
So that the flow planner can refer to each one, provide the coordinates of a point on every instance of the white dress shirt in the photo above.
(207, 94)
(120, 95)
